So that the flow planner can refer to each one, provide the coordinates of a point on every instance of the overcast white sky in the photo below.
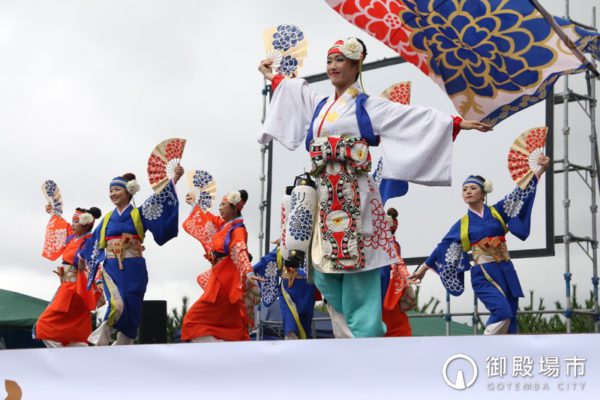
(88, 88)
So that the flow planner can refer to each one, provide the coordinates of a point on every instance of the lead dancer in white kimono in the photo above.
(351, 240)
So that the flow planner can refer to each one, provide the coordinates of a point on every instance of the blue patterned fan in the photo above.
(286, 46)
(204, 188)
(53, 196)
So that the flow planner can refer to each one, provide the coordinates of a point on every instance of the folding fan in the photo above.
(162, 162)
(524, 155)
(53, 196)
(204, 188)
(286, 46)
(398, 93)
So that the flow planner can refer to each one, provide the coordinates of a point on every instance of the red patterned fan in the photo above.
(162, 162)
(525, 153)
(398, 93)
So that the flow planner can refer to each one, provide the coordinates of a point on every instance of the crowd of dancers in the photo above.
(336, 239)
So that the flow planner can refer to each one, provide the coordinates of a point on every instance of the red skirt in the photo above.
(220, 311)
(67, 318)
(396, 320)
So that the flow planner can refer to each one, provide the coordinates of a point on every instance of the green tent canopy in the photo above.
(436, 326)
(19, 311)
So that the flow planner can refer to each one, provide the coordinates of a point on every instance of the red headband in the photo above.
(335, 49)
(76, 215)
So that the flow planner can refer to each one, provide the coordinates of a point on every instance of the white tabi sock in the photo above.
(101, 336)
(123, 340)
(497, 328)
(205, 339)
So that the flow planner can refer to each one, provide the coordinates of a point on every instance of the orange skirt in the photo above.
(67, 318)
(220, 311)
(396, 320)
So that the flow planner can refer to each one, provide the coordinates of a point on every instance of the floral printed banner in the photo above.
(493, 58)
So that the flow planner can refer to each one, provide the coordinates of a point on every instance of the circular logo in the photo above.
(458, 382)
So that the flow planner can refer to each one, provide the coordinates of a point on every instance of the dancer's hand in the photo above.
(256, 278)
(264, 67)
(416, 277)
(543, 162)
(178, 173)
(472, 124)
(80, 262)
(190, 198)
(48, 208)
(60, 272)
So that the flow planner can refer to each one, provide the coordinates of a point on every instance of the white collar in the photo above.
(478, 214)
(125, 209)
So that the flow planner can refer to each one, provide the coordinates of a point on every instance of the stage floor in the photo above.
(516, 367)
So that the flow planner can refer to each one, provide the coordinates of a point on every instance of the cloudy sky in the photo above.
(88, 88)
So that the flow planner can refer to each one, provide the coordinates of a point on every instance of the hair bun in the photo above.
(364, 54)
(243, 195)
(392, 212)
(95, 211)
(128, 176)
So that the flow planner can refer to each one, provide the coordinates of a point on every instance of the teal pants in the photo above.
(357, 296)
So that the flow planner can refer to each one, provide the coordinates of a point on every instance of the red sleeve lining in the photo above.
(276, 81)
(455, 127)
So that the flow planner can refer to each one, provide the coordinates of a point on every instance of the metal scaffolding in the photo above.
(588, 173)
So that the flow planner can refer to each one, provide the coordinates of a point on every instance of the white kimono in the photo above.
(416, 143)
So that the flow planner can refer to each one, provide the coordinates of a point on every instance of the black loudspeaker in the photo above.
(153, 327)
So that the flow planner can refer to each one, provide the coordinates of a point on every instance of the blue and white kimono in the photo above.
(125, 285)
(495, 283)
(296, 302)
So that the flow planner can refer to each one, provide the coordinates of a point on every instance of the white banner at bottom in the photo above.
(515, 367)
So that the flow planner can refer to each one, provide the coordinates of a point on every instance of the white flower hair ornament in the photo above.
(86, 219)
(235, 199)
(132, 187)
(352, 49)
(488, 187)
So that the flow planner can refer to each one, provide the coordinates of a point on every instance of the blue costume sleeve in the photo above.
(85, 250)
(266, 268)
(450, 261)
(160, 214)
(516, 209)
(94, 256)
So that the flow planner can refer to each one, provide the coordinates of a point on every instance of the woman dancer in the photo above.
(118, 244)
(351, 240)
(482, 230)
(67, 320)
(290, 285)
(220, 313)
(393, 287)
